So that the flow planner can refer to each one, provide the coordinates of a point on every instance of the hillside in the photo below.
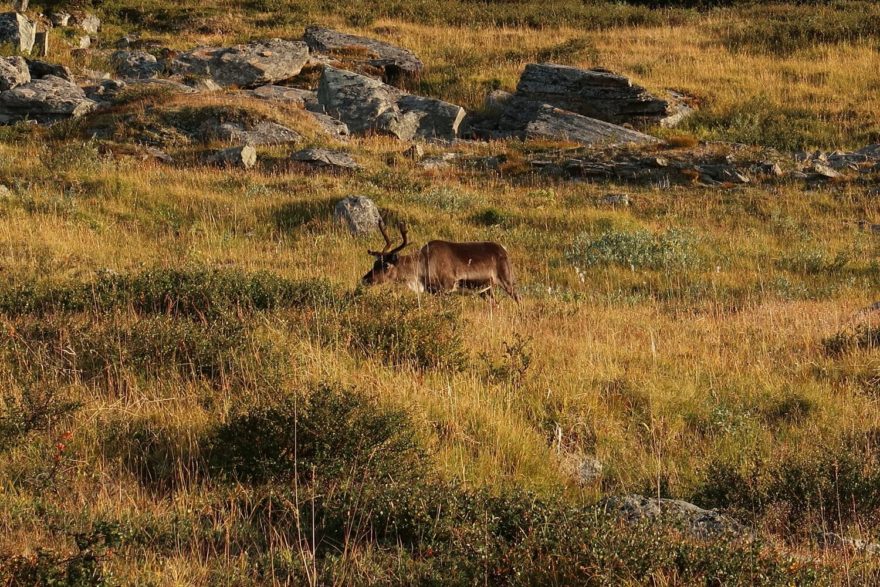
(198, 390)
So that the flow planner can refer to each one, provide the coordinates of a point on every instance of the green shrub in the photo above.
(813, 261)
(405, 331)
(197, 293)
(758, 121)
(77, 348)
(672, 250)
(38, 407)
(330, 434)
(863, 337)
(831, 486)
(490, 217)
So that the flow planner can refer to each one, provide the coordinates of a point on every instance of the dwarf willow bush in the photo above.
(640, 249)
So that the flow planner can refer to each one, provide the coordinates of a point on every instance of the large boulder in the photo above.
(369, 106)
(254, 64)
(87, 22)
(358, 213)
(18, 31)
(395, 63)
(136, 64)
(45, 100)
(13, 72)
(597, 93)
(527, 119)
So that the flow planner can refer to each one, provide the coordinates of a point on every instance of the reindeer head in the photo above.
(384, 268)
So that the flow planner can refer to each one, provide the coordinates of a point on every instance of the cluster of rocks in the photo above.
(586, 106)
(25, 36)
(710, 165)
(39, 91)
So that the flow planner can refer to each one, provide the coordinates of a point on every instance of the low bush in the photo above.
(825, 486)
(405, 331)
(198, 293)
(863, 337)
(671, 250)
(330, 434)
(75, 348)
(35, 408)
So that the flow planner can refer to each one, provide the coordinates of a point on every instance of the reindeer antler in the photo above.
(383, 229)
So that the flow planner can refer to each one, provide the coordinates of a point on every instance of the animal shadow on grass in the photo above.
(306, 214)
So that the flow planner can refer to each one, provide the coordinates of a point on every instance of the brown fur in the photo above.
(443, 266)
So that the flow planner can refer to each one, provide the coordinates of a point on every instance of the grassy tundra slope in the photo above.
(194, 391)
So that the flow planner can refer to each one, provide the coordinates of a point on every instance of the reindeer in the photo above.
(443, 266)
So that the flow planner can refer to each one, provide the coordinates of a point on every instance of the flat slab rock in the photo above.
(296, 96)
(596, 93)
(45, 100)
(368, 106)
(254, 64)
(262, 133)
(325, 158)
(527, 119)
(396, 63)
(701, 523)
(136, 64)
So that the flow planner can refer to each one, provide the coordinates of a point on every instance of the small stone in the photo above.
(245, 157)
(414, 152)
(13, 72)
(824, 171)
(60, 18)
(359, 214)
(615, 200)
(88, 22)
(41, 43)
(136, 64)
(434, 163)
(589, 469)
(85, 42)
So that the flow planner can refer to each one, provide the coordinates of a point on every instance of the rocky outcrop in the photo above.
(358, 213)
(395, 63)
(325, 159)
(368, 106)
(522, 118)
(45, 100)
(254, 64)
(18, 31)
(136, 64)
(596, 93)
(87, 22)
(13, 72)
(699, 522)
(331, 126)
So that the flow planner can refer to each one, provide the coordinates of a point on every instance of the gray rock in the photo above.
(87, 22)
(41, 43)
(60, 18)
(368, 106)
(203, 85)
(615, 200)
(254, 64)
(245, 157)
(20, 5)
(45, 100)
(325, 158)
(824, 171)
(333, 127)
(18, 31)
(136, 64)
(434, 163)
(588, 469)
(359, 214)
(104, 90)
(396, 63)
(85, 42)
(596, 93)
(39, 69)
(699, 522)
(263, 133)
(274, 93)
(527, 119)
(13, 72)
